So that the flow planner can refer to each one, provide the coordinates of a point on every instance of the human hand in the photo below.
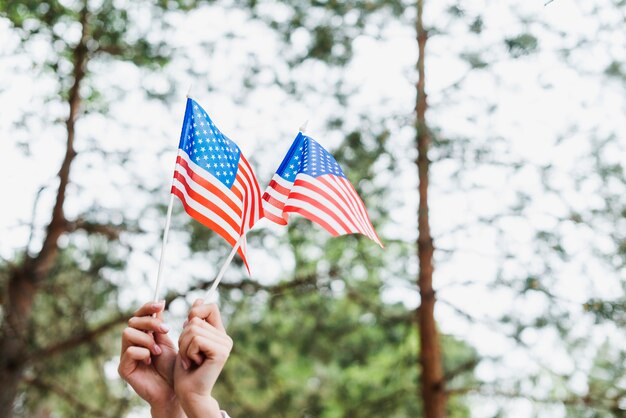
(204, 348)
(147, 360)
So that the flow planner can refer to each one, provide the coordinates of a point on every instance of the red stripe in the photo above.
(257, 190)
(203, 219)
(236, 190)
(274, 218)
(280, 189)
(348, 205)
(209, 224)
(363, 210)
(273, 201)
(332, 198)
(354, 198)
(201, 181)
(206, 202)
(248, 201)
(327, 210)
(313, 218)
(246, 197)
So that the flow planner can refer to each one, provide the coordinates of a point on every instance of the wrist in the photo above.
(201, 407)
(167, 409)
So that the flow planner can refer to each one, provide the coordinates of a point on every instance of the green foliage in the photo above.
(521, 45)
(332, 25)
(605, 385)
(326, 353)
(76, 298)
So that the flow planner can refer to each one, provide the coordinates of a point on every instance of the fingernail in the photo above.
(157, 305)
(185, 364)
(185, 323)
(157, 349)
(164, 327)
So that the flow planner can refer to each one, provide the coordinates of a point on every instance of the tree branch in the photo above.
(583, 401)
(43, 262)
(110, 231)
(96, 332)
(78, 340)
(78, 406)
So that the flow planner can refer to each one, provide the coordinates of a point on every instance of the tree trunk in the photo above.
(432, 380)
(24, 280)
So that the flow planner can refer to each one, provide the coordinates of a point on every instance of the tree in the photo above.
(81, 35)
(432, 379)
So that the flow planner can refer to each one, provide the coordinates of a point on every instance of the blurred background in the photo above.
(507, 118)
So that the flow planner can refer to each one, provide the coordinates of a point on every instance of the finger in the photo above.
(193, 350)
(147, 323)
(130, 358)
(199, 327)
(150, 308)
(210, 348)
(134, 337)
(209, 313)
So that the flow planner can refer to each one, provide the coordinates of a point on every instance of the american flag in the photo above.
(310, 182)
(214, 181)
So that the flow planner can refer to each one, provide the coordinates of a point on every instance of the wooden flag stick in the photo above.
(211, 292)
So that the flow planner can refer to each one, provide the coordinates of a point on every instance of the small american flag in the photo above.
(310, 182)
(214, 181)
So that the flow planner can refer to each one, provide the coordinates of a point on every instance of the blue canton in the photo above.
(207, 146)
(308, 157)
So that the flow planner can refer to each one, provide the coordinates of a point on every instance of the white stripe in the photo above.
(360, 206)
(269, 208)
(320, 214)
(327, 203)
(285, 183)
(276, 194)
(208, 176)
(339, 197)
(349, 195)
(361, 228)
(203, 210)
(239, 187)
(256, 190)
(249, 208)
(252, 210)
(208, 195)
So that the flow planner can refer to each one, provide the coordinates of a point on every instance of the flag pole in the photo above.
(163, 247)
(166, 231)
(212, 291)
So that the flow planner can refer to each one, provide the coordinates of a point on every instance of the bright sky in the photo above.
(539, 98)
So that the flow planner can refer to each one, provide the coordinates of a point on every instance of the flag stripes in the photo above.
(328, 200)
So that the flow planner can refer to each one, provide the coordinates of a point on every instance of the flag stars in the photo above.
(207, 146)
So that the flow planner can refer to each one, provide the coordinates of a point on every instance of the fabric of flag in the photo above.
(214, 181)
(310, 182)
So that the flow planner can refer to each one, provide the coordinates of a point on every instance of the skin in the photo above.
(175, 384)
